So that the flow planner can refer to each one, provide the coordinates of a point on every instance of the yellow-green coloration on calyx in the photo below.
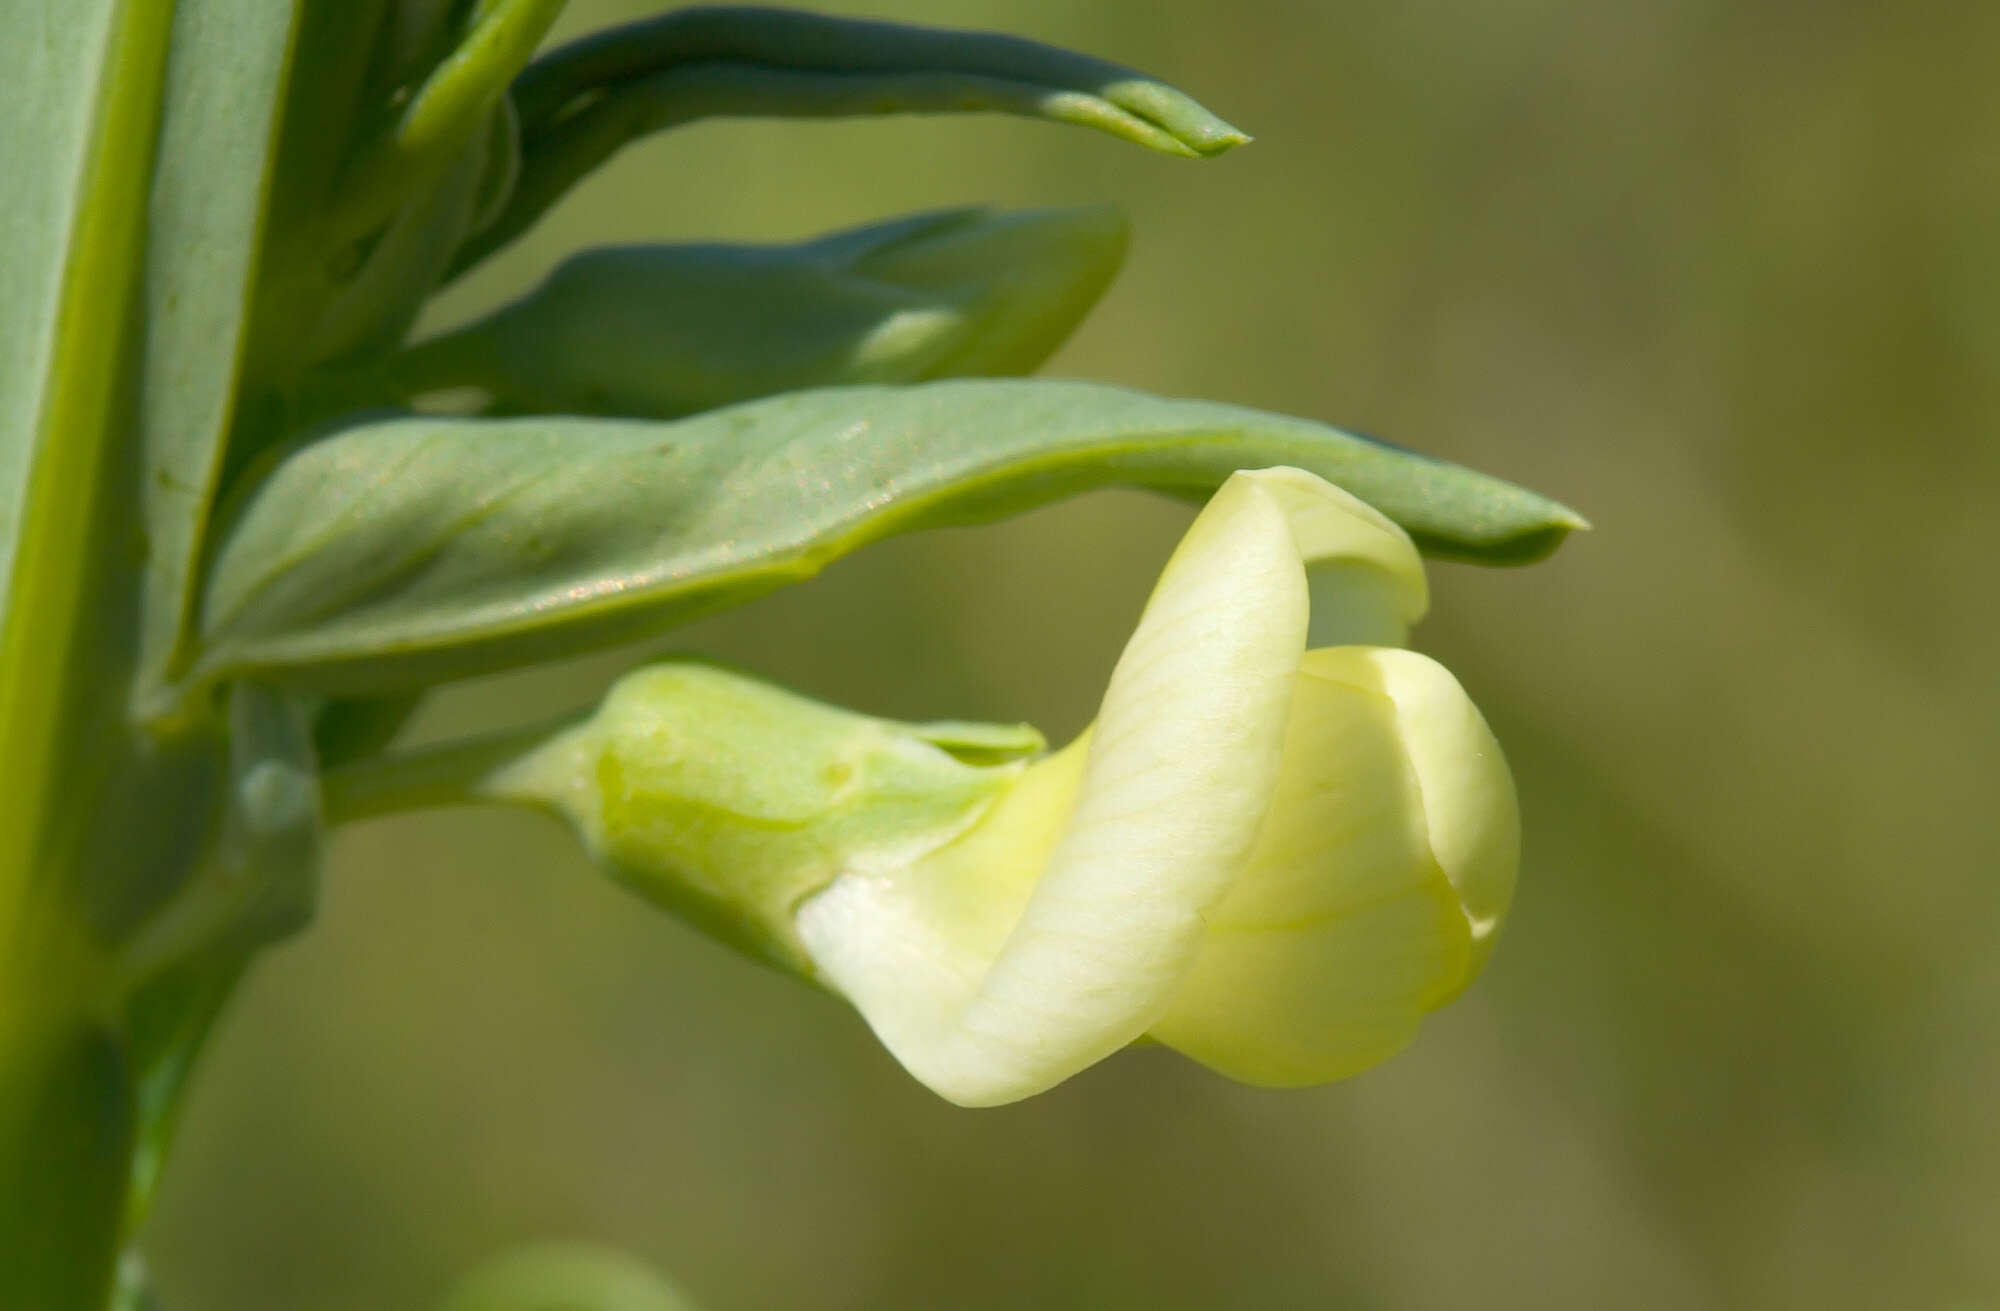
(729, 801)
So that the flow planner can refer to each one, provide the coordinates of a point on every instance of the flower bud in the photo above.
(664, 331)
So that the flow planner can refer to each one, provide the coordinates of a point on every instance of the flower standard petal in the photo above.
(1180, 774)
(1366, 579)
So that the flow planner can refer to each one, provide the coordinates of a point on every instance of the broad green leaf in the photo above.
(399, 553)
(583, 103)
(665, 331)
(224, 90)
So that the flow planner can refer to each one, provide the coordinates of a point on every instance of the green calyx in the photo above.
(729, 801)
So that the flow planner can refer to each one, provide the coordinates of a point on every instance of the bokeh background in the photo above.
(1724, 275)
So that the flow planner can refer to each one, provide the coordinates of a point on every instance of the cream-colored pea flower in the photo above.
(1274, 859)
(1271, 858)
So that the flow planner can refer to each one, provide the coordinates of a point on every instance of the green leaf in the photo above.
(224, 90)
(403, 552)
(665, 331)
(583, 103)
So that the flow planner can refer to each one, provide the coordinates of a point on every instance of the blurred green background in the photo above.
(1726, 277)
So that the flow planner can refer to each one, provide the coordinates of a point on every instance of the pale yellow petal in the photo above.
(991, 993)
(1470, 809)
(1178, 777)
(1347, 825)
(1321, 1000)
(1367, 580)
(1343, 929)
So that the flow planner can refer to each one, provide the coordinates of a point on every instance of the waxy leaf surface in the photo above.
(411, 550)
(224, 91)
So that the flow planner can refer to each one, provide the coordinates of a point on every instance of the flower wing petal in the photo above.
(1289, 1006)
(1470, 807)
(1343, 929)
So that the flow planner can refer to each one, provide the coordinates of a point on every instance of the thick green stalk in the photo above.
(138, 134)
(67, 1112)
(450, 774)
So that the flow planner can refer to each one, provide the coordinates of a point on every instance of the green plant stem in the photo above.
(68, 1118)
(451, 774)
(89, 1087)
(444, 114)
(67, 1131)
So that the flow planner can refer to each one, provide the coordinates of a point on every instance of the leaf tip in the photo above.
(1533, 545)
(1220, 142)
(1197, 131)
